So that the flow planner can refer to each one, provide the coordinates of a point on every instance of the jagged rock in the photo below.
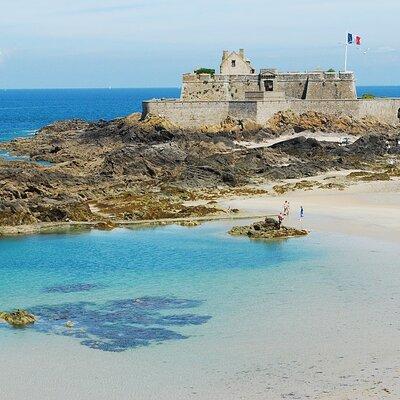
(232, 125)
(18, 318)
(267, 229)
(105, 225)
(123, 165)
(285, 121)
(190, 223)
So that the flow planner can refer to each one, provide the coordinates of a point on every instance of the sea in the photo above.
(172, 312)
(23, 112)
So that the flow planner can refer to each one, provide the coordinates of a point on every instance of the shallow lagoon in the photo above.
(129, 287)
(194, 310)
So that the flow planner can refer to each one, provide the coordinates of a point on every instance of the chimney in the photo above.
(225, 54)
(241, 53)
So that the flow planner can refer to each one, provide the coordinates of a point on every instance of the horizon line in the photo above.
(143, 87)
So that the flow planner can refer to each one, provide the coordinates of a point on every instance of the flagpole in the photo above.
(345, 52)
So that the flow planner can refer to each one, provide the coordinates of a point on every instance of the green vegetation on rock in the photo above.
(205, 71)
(368, 96)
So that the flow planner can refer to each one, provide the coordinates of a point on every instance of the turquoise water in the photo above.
(131, 288)
(142, 285)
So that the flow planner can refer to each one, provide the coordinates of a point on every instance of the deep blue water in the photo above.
(379, 91)
(24, 111)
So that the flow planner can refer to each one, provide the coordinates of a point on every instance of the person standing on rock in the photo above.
(301, 213)
(286, 207)
(280, 219)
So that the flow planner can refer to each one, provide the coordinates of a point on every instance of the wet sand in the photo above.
(332, 337)
(365, 209)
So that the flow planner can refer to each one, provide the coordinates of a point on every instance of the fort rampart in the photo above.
(240, 92)
(193, 114)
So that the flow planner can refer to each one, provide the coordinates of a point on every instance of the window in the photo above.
(233, 63)
(269, 85)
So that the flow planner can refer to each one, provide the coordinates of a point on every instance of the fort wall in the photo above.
(193, 114)
(294, 85)
(200, 113)
(241, 93)
(208, 87)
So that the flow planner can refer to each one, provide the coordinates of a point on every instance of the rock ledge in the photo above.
(267, 229)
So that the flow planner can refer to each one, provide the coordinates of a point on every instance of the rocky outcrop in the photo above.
(125, 168)
(285, 121)
(267, 229)
(232, 125)
(18, 318)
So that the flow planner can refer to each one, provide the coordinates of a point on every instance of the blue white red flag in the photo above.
(353, 39)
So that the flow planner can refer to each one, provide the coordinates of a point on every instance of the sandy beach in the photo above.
(364, 209)
(341, 348)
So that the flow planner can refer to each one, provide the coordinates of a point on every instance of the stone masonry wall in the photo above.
(199, 113)
(311, 86)
(385, 110)
(205, 87)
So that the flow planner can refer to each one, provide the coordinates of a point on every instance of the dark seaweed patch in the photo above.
(72, 288)
(119, 325)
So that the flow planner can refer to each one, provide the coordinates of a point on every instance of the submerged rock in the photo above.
(190, 223)
(122, 324)
(18, 318)
(267, 229)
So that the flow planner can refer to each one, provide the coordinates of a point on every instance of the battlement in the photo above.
(239, 92)
(238, 77)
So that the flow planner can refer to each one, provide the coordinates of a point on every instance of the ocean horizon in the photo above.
(24, 111)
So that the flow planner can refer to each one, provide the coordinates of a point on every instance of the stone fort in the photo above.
(240, 92)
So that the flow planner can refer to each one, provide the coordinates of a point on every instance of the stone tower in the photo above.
(235, 63)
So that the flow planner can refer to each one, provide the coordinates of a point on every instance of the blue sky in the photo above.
(150, 43)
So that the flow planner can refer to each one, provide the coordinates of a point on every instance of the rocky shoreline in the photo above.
(131, 170)
(267, 229)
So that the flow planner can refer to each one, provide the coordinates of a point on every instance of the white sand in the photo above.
(329, 348)
(366, 209)
(320, 136)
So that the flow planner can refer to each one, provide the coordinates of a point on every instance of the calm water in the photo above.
(157, 312)
(133, 288)
(147, 285)
(24, 111)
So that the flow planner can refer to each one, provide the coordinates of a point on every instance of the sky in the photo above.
(150, 43)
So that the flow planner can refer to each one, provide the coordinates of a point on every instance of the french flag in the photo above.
(353, 39)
